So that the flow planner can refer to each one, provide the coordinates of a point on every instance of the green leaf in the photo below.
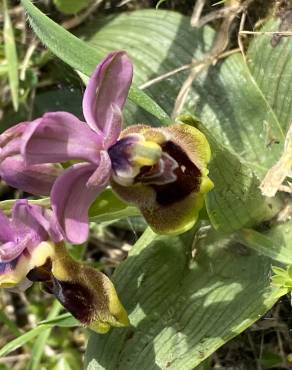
(11, 56)
(270, 360)
(9, 323)
(41, 340)
(79, 55)
(182, 310)
(71, 6)
(108, 207)
(6, 205)
(270, 62)
(21, 340)
(236, 200)
(64, 320)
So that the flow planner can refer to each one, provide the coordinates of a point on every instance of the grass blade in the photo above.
(11, 56)
(10, 324)
(38, 347)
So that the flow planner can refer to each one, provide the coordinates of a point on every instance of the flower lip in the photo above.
(187, 176)
(86, 293)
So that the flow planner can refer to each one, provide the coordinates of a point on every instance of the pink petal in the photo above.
(37, 179)
(11, 250)
(71, 199)
(101, 175)
(107, 87)
(36, 221)
(10, 140)
(6, 232)
(59, 137)
(12, 133)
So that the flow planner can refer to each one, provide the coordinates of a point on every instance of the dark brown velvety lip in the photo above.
(76, 298)
(188, 177)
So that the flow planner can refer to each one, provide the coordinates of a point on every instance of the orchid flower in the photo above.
(36, 179)
(31, 249)
(162, 171)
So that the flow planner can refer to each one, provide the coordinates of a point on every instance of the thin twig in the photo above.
(252, 346)
(27, 59)
(216, 14)
(239, 36)
(181, 69)
(281, 348)
(8, 359)
(123, 2)
(279, 33)
(198, 8)
(165, 75)
(76, 21)
(219, 45)
(223, 12)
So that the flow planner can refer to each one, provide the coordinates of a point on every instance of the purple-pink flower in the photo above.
(163, 171)
(60, 137)
(31, 249)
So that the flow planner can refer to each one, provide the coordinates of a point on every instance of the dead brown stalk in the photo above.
(219, 46)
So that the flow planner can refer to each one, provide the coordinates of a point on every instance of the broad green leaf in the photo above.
(227, 99)
(71, 6)
(182, 309)
(41, 340)
(270, 61)
(79, 55)
(236, 200)
(11, 56)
